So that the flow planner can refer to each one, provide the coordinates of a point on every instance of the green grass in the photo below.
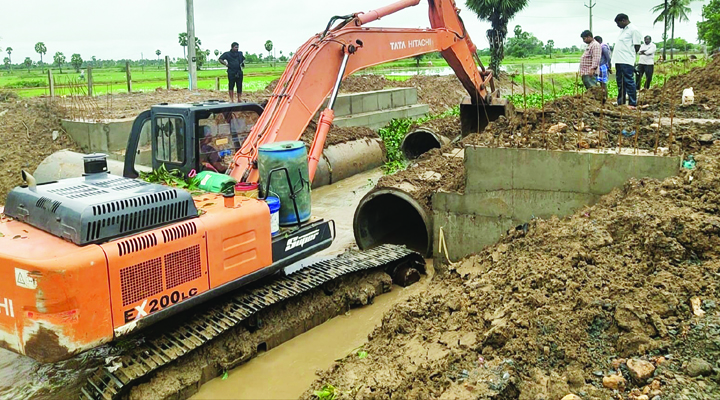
(34, 83)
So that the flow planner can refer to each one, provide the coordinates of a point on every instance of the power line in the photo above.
(590, 7)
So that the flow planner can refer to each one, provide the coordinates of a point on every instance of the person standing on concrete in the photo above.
(590, 60)
(646, 65)
(605, 69)
(623, 57)
(234, 60)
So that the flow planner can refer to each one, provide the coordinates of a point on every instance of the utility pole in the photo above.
(192, 68)
(665, 33)
(590, 7)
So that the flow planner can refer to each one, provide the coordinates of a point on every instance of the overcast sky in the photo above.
(125, 29)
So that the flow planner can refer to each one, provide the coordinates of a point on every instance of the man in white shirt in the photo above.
(624, 53)
(646, 65)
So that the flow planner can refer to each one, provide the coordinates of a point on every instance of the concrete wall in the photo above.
(508, 187)
(109, 137)
(375, 109)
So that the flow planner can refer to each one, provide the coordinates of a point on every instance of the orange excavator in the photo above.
(90, 259)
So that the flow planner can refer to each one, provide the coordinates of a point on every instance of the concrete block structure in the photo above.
(508, 187)
(376, 109)
(370, 109)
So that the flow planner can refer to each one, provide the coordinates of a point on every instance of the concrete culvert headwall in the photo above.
(420, 141)
(390, 215)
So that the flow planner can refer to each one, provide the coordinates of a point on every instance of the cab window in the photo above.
(170, 137)
(220, 136)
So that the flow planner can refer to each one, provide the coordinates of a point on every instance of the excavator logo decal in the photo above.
(157, 304)
(410, 44)
(300, 241)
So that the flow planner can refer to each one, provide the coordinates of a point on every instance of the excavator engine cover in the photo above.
(475, 117)
(98, 207)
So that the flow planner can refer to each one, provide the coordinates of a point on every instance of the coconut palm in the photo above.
(499, 13)
(670, 11)
(41, 49)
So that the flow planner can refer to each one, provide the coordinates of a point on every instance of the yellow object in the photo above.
(247, 190)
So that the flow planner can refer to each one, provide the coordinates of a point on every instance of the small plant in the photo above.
(394, 133)
(173, 178)
(328, 392)
(362, 354)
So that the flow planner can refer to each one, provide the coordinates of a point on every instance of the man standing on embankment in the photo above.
(234, 60)
(646, 65)
(624, 53)
(590, 60)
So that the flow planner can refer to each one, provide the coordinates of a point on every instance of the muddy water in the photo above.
(286, 371)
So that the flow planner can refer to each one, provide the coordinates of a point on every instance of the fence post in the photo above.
(167, 72)
(129, 77)
(90, 81)
(51, 83)
(217, 83)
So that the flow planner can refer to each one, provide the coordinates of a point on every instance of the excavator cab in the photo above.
(189, 137)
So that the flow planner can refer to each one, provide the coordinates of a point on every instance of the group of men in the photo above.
(596, 62)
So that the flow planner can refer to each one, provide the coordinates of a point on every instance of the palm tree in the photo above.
(41, 49)
(499, 13)
(9, 50)
(672, 10)
(268, 47)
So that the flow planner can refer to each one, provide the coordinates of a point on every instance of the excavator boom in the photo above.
(344, 49)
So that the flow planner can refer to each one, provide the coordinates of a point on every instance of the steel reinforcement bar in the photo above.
(166, 347)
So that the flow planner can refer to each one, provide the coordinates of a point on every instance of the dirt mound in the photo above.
(556, 307)
(439, 92)
(124, 105)
(436, 170)
(364, 83)
(30, 131)
(448, 126)
(705, 82)
(338, 134)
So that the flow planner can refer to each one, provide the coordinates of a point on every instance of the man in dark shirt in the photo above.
(234, 60)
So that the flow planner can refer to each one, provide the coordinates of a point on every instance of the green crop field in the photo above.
(113, 80)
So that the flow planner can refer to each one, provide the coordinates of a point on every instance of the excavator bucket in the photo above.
(475, 117)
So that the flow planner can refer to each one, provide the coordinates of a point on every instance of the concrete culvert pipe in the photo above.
(344, 160)
(420, 141)
(392, 215)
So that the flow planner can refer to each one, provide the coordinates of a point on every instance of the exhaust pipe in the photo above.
(420, 141)
(29, 179)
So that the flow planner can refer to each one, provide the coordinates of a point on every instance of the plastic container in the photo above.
(688, 97)
(214, 182)
(293, 156)
(247, 190)
(274, 205)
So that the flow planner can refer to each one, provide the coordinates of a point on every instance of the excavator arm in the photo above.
(319, 65)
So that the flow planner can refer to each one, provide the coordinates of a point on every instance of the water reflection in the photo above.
(530, 69)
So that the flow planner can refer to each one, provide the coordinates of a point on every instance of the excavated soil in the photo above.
(561, 306)
(705, 82)
(554, 309)
(30, 131)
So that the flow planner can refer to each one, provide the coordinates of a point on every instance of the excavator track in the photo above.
(165, 347)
